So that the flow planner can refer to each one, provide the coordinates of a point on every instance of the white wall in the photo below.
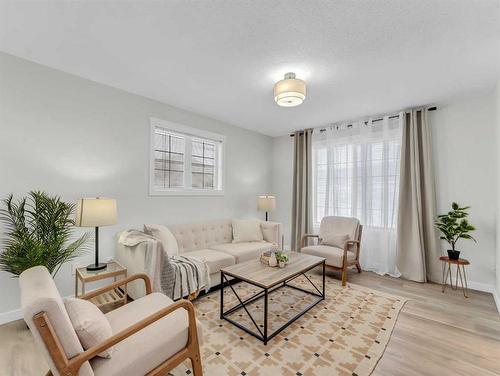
(73, 137)
(497, 167)
(464, 152)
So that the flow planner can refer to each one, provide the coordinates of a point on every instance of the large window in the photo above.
(185, 160)
(356, 174)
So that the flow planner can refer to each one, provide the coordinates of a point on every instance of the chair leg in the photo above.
(344, 276)
(358, 267)
(196, 362)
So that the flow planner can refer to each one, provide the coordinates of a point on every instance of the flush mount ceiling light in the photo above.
(290, 91)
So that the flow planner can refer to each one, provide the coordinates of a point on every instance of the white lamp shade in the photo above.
(290, 91)
(266, 203)
(95, 212)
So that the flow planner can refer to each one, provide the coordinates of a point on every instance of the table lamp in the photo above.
(95, 212)
(266, 203)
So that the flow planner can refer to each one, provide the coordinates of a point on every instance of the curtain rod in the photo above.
(434, 108)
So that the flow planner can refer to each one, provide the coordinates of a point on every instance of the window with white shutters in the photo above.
(185, 160)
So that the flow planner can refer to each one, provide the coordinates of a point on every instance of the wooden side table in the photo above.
(447, 272)
(113, 270)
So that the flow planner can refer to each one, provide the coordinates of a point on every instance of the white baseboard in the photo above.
(496, 296)
(485, 287)
(479, 286)
(6, 317)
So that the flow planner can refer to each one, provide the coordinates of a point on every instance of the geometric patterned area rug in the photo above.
(346, 334)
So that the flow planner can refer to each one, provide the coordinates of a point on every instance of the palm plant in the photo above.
(38, 231)
(455, 226)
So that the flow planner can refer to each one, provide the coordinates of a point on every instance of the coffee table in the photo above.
(269, 279)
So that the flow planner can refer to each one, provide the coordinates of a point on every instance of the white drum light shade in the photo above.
(290, 91)
(96, 212)
(266, 203)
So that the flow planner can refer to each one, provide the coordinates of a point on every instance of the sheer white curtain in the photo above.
(356, 174)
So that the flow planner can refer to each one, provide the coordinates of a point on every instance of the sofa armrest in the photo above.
(272, 232)
(134, 259)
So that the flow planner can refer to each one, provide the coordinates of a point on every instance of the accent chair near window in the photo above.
(339, 242)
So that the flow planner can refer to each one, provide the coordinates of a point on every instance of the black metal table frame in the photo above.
(262, 334)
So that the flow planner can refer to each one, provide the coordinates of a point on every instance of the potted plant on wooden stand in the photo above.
(455, 226)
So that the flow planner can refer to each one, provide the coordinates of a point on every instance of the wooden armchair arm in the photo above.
(76, 362)
(119, 283)
(348, 243)
(305, 236)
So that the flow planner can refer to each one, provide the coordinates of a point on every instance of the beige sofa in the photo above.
(211, 242)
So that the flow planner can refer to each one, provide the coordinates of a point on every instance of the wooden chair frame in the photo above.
(348, 245)
(70, 367)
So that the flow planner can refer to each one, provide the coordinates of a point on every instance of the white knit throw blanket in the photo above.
(191, 276)
(176, 277)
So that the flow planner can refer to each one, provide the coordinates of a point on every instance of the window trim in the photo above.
(195, 133)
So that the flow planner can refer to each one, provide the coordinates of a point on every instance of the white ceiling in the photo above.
(221, 58)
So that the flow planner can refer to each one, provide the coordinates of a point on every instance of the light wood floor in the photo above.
(436, 334)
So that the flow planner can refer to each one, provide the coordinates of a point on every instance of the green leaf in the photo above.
(454, 225)
(38, 231)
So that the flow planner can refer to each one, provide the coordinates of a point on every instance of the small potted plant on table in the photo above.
(455, 226)
(282, 259)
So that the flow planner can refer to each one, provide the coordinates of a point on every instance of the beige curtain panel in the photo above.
(302, 190)
(417, 239)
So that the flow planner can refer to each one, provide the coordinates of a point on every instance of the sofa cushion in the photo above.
(334, 256)
(149, 347)
(247, 230)
(214, 260)
(90, 324)
(271, 232)
(195, 236)
(244, 251)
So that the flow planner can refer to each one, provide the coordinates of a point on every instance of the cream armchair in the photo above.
(339, 242)
(151, 335)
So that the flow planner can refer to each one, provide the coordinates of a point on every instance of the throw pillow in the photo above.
(90, 324)
(247, 230)
(334, 240)
(269, 232)
(165, 236)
